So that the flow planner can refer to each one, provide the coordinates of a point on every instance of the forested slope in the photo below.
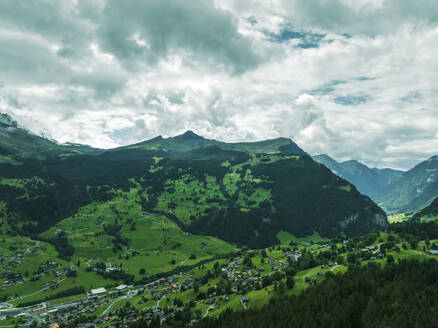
(398, 295)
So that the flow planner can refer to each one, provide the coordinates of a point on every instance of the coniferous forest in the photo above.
(398, 295)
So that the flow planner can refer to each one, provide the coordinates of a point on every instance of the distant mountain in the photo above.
(17, 141)
(369, 181)
(244, 193)
(189, 141)
(430, 211)
(416, 189)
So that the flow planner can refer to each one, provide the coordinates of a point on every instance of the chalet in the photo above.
(244, 300)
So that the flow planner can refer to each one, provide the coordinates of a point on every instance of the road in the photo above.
(112, 303)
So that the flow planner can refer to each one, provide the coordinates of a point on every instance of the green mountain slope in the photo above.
(18, 142)
(240, 196)
(416, 189)
(190, 141)
(369, 181)
(429, 212)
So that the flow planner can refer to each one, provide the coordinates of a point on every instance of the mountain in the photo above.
(189, 141)
(416, 189)
(16, 141)
(369, 181)
(429, 212)
(244, 193)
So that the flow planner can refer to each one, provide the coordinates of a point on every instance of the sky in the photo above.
(355, 79)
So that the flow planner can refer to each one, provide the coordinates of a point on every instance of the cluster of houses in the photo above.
(239, 276)
(69, 312)
(49, 267)
(12, 262)
(11, 279)
(167, 286)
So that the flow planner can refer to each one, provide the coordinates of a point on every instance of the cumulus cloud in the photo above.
(354, 79)
(152, 31)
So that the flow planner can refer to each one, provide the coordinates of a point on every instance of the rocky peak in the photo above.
(7, 121)
(188, 135)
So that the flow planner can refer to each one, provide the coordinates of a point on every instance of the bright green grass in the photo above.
(395, 218)
(9, 160)
(35, 253)
(12, 322)
(347, 188)
(190, 196)
(157, 240)
(429, 218)
(67, 299)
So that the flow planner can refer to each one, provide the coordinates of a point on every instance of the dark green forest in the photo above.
(398, 295)
(51, 189)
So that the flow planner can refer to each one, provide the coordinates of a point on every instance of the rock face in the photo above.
(6, 121)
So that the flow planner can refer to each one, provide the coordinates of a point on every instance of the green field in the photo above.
(395, 218)
(156, 240)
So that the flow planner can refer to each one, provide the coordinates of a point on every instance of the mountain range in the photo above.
(396, 191)
(369, 181)
(429, 212)
(242, 192)
(416, 188)
(245, 193)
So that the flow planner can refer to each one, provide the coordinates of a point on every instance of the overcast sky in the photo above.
(356, 79)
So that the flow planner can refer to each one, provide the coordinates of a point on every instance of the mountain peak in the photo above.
(323, 157)
(7, 121)
(188, 135)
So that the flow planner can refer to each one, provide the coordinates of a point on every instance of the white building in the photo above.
(98, 291)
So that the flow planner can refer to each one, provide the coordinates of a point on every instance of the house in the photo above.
(432, 252)
(121, 287)
(98, 291)
(244, 300)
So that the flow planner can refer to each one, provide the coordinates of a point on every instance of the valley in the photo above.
(176, 231)
(220, 278)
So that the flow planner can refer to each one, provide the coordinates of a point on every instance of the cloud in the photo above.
(152, 31)
(18, 66)
(354, 79)
(371, 17)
